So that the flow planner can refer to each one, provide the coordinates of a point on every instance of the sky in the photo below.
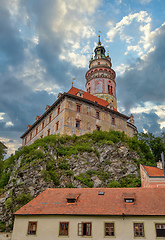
(44, 44)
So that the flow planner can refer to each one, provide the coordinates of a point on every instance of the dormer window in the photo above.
(72, 198)
(80, 94)
(129, 200)
(129, 197)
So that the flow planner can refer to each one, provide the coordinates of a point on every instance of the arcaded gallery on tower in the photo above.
(79, 112)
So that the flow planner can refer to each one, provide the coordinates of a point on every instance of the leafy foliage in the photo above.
(23, 198)
(147, 146)
(85, 179)
(156, 144)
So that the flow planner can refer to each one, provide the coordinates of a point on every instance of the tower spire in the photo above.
(99, 42)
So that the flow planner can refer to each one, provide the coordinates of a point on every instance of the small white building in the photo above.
(117, 213)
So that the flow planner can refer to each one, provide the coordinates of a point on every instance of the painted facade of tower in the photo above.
(100, 78)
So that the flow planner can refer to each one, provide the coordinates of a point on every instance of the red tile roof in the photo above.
(154, 171)
(148, 201)
(90, 97)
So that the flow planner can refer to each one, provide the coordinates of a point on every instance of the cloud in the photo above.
(39, 56)
(120, 27)
(144, 82)
(145, 1)
(150, 122)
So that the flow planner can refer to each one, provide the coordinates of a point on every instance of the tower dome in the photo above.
(100, 78)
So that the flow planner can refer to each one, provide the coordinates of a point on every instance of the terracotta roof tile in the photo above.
(147, 201)
(90, 97)
(154, 171)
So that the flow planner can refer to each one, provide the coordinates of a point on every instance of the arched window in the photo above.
(109, 89)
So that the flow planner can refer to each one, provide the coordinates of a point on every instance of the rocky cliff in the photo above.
(86, 161)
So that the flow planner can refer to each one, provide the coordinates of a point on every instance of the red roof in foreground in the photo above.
(154, 171)
(90, 97)
(147, 201)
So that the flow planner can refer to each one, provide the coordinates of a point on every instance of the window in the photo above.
(113, 120)
(97, 114)
(63, 230)
(160, 229)
(78, 108)
(30, 135)
(77, 123)
(109, 90)
(32, 228)
(41, 136)
(138, 230)
(98, 128)
(109, 229)
(43, 124)
(58, 110)
(88, 126)
(57, 125)
(129, 200)
(36, 130)
(88, 110)
(50, 118)
(48, 132)
(71, 200)
(84, 229)
(25, 140)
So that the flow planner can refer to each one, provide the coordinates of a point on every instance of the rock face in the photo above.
(96, 168)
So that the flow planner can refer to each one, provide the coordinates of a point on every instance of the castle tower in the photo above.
(100, 78)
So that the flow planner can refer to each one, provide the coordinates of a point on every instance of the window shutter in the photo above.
(88, 230)
(80, 228)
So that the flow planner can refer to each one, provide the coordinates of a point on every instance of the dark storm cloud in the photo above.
(148, 122)
(11, 45)
(51, 43)
(18, 101)
(147, 84)
(23, 104)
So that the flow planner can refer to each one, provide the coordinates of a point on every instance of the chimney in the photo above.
(29, 126)
(162, 156)
(59, 95)
(37, 118)
(47, 107)
(159, 165)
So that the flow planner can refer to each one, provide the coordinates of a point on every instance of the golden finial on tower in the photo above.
(99, 43)
(73, 80)
(107, 52)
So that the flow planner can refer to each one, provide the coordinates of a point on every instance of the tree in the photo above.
(2, 152)
(156, 144)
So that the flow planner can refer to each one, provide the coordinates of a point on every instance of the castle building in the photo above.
(79, 112)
